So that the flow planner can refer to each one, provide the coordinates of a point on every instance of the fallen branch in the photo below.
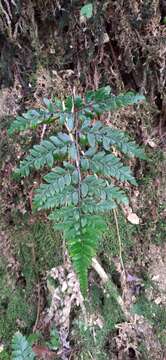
(106, 280)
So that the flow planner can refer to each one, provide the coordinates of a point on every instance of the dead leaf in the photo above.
(151, 143)
(1, 347)
(133, 218)
(43, 352)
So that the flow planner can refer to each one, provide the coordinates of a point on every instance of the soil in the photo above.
(47, 49)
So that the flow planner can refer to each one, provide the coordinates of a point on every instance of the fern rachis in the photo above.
(80, 189)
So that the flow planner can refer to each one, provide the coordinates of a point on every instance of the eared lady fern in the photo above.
(78, 190)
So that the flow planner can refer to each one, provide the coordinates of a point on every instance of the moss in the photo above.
(110, 245)
(19, 313)
(4, 355)
(17, 306)
(152, 171)
(143, 351)
(115, 314)
(36, 251)
(162, 338)
(92, 339)
(154, 313)
(88, 343)
(159, 235)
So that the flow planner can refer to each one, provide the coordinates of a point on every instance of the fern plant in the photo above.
(21, 349)
(86, 174)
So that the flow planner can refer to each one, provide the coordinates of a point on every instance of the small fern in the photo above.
(79, 189)
(21, 349)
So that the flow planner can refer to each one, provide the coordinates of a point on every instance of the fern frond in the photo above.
(122, 141)
(29, 120)
(44, 154)
(21, 350)
(46, 201)
(109, 165)
(93, 187)
(99, 102)
(82, 227)
(82, 234)
(79, 190)
(56, 181)
(32, 118)
(123, 100)
(132, 149)
(82, 247)
(60, 189)
(108, 137)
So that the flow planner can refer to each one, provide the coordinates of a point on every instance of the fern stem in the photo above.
(76, 142)
(78, 154)
(38, 307)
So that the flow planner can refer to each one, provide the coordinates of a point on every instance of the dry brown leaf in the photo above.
(43, 352)
(151, 143)
(133, 218)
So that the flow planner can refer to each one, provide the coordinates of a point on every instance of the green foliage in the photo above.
(4, 355)
(87, 10)
(159, 235)
(37, 248)
(32, 118)
(154, 313)
(92, 339)
(164, 20)
(43, 154)
(143, 351)
(34, 338)
(109, 245)
(54, 342)
(156, 316)
(80, 186)
(88, 344)
(21, 350)
(17, 308)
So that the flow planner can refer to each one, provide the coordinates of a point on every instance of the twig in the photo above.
(8, 8)
(90, 355)
(43, 131)
(8, 20)
(119, 240)
(38, 287)
(38, 308)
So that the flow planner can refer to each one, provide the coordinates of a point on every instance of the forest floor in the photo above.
(51, 51)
